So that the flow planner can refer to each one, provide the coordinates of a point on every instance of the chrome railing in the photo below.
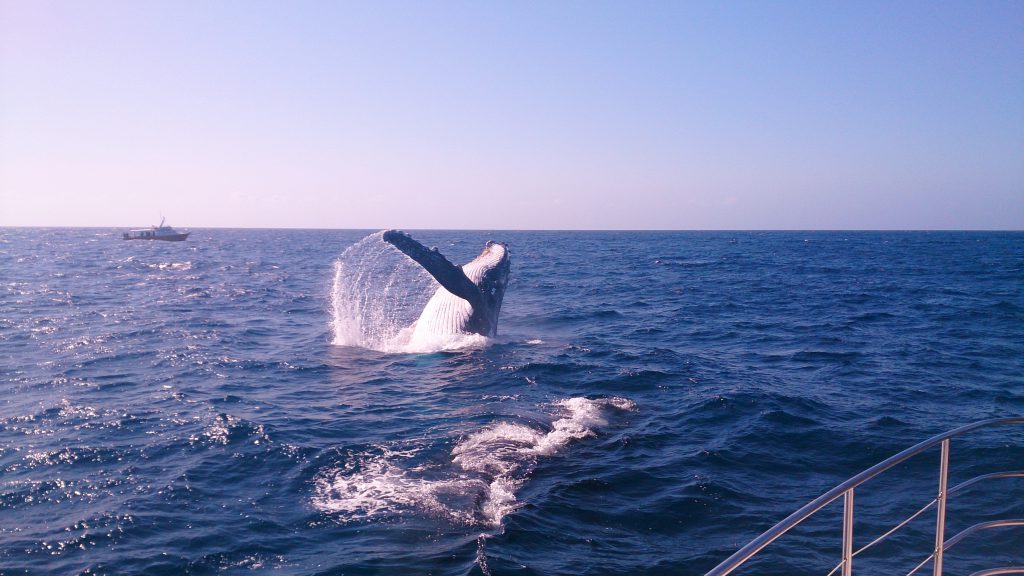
(846, 490)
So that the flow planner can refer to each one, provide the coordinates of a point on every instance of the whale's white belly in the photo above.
(444, 315)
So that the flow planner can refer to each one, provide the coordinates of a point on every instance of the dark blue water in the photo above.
(653, 402)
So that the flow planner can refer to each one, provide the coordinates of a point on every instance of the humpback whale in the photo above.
(469, 299)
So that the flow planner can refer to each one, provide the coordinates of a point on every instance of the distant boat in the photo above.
(160, 232)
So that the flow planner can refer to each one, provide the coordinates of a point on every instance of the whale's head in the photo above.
(489, 271)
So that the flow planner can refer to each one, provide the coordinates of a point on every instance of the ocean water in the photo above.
(241, 402)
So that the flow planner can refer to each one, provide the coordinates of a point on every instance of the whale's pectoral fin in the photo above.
(448, 275)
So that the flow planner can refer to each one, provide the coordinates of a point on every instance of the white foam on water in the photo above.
(374, 486)
(488, 468)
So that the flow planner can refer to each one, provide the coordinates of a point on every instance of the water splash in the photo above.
(378, 294)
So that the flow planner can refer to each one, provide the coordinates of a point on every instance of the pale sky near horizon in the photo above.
(513, 115)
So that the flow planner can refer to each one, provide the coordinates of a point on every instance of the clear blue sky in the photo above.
(691, 115)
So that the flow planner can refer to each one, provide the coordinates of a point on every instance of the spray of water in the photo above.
(377, 294)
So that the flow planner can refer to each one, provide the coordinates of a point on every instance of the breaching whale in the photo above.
(469, 299)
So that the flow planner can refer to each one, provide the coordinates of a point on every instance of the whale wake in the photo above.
(478, 482)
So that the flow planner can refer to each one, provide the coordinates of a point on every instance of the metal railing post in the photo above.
(940, 521)
(846, 489)
(848, 533)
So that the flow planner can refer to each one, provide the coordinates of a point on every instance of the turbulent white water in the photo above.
(377, 295)
(479, 484)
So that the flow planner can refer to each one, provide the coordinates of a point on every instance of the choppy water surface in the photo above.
(236, 403)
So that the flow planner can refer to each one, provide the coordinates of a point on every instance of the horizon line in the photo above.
(374, 229)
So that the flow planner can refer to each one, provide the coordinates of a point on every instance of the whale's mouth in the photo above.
(495, 254)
